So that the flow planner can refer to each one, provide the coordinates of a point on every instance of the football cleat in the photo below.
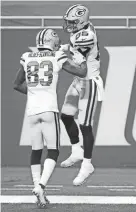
(73, 158)
(42, 200)
(85, 171)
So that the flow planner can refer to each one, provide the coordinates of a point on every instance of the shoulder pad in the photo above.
(84, 38)
(60, 55)
(61, 58)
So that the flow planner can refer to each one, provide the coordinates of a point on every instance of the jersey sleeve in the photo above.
(61, 58)
(23, 58)
(84, 39)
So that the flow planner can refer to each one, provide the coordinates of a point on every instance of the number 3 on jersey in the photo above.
(33, 75)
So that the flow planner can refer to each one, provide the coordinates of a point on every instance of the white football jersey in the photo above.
(85, 41)
(42, 69)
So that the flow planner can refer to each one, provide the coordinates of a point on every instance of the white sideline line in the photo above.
(110, 186)
(91, 186)
(72, 199)
(27, 189)
(48, 186)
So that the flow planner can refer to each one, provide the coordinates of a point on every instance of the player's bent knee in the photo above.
(53, 154)
(37, 145)
(65, 117)
(69, 109)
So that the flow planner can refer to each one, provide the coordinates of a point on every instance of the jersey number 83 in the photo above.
(33, 77)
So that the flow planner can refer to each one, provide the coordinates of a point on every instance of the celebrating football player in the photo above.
(38, 78)
(83, 93)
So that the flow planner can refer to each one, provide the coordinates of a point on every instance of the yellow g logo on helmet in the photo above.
(76, 18)
(54, 34)
(80, 12)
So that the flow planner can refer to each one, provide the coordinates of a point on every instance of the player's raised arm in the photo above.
(19, 84)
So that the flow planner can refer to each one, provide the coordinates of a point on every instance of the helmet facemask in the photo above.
(70, 25)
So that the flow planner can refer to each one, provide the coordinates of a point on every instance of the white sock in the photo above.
(48, 169)
(36, 173)
(76, 146)
(86, 161)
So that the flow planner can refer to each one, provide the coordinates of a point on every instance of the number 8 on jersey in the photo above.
(36, 73)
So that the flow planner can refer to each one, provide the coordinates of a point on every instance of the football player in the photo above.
(83, 94)
(38, 78)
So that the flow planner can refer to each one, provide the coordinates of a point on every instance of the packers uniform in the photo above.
(83, 93)
(89, 89)
(41, 70)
